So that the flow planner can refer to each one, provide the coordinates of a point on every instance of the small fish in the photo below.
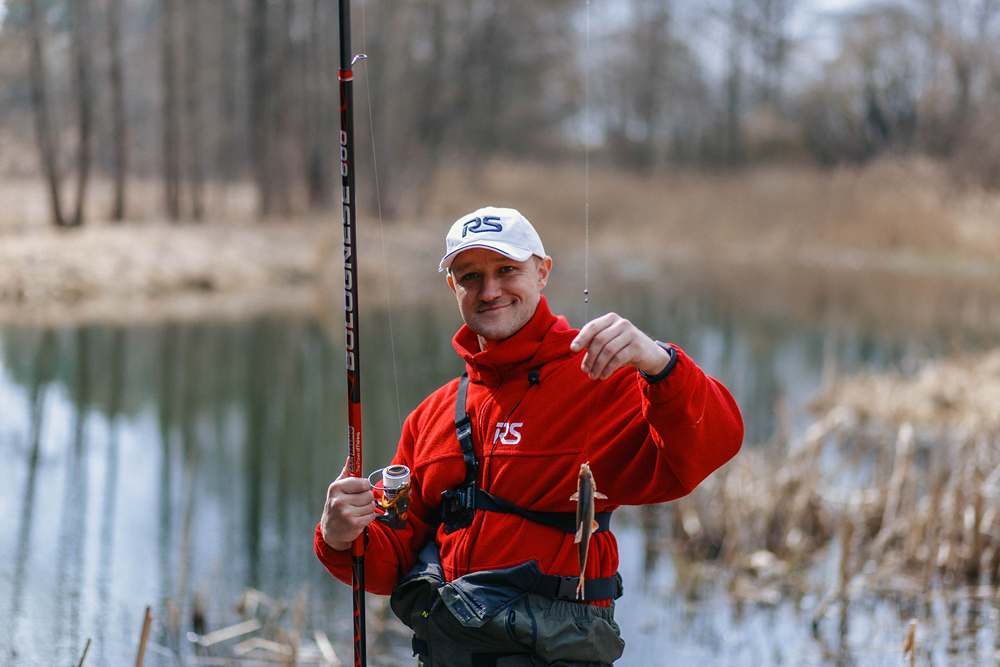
(585, 494)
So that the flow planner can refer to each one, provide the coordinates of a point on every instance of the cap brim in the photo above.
(505, 249)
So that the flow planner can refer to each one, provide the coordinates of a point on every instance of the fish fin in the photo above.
(579, 535)
(594, 525)
(599, 495)
(575, 497)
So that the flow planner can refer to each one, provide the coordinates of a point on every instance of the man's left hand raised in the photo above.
(611, 342)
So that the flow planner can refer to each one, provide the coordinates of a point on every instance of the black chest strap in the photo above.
(459, 504)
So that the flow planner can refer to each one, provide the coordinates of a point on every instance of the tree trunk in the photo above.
(84, 103)
(279, 101)
(118, 123)
(734, 87)
(171, 130)
(192, 16)
(229, 141)
(259, 132)
(319, 111)
(48, 147)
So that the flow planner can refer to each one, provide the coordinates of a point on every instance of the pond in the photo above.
(156, 465)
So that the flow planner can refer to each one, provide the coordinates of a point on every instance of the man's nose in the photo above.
(491, 289)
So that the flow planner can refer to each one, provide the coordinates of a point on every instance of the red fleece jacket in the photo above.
(646, 443)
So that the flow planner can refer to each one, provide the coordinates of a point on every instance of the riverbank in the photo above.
(859, 241)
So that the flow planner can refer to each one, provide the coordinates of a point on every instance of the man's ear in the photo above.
(544, 269)
(450, 280)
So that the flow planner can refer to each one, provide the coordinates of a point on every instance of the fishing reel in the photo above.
(392, 494)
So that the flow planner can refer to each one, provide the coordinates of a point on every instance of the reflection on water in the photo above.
(151, 465)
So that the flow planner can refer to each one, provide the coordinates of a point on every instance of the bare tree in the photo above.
(280, 100)
(169, 111)
(260, 140)
(320, 113)
(192, 17)
(734, 148)
(228, 154)
(84, 104)
(768, 25)
(48, 145)
(118, 121)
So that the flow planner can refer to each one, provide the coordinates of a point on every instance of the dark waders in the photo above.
(513, 617)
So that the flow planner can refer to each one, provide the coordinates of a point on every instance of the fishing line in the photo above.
(586, 201)
(586, 167)
(378, 202)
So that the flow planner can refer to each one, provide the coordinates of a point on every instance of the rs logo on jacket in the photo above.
(507, 433)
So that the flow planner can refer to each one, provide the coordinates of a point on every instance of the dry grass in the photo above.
(890, 237)
(888, 207)
(903, 473)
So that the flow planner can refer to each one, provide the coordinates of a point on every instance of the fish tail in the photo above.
(579, 588)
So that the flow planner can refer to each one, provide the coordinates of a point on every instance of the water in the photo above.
(147, 465)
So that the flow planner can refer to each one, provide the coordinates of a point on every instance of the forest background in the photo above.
(804, 189)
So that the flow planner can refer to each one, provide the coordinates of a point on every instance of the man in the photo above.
(486, 569)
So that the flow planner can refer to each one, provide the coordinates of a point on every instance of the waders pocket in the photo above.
(413, 602)
(415, 596)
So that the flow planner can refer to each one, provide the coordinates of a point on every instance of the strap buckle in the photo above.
(463, 428)
(458, 506)
(566, 589)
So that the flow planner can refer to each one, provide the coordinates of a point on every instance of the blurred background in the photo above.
(804, 194)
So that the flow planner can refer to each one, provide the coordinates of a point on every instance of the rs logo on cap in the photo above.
(489, 223)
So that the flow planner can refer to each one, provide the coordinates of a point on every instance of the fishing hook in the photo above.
(357, 57)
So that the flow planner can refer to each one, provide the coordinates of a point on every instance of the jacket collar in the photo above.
(543, 338)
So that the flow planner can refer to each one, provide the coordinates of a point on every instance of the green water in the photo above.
(147, 465)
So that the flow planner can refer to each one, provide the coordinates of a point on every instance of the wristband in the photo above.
(653, 379)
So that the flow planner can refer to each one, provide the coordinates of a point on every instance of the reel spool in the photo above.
(392, 494)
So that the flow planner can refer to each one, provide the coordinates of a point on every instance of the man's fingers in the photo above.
(590, 330)
(592, 361)
(358, 498)
(357, 511)
(349, 486)
(609, 353)
(616, 362)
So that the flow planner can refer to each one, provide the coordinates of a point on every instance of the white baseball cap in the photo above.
(503, 230)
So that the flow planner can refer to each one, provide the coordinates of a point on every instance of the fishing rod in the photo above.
(352, 340)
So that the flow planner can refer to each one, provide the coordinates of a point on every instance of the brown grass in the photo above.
(889, 206)
(890, 237)
(902, 472)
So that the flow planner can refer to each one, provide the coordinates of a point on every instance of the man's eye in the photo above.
(507, 269)
(468, 278)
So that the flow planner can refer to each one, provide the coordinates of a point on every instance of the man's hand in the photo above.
(350, 506)
(611, 342)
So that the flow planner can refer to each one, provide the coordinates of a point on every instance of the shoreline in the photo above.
(150, 272)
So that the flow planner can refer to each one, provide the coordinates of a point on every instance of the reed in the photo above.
(83, 656)
(147, 622)
(903, 473)
(910, 642)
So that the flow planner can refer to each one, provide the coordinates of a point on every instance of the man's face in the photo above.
(497, 295)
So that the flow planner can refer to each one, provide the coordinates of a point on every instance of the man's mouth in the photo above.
(493, 307)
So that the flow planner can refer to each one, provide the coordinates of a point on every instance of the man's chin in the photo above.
(494, 331)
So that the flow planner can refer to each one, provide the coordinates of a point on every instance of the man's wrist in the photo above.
(664, 369)
(335, 545)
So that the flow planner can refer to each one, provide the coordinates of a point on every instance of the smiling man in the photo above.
(486, 569)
